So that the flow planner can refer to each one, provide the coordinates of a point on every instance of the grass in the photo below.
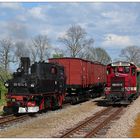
(3, 91)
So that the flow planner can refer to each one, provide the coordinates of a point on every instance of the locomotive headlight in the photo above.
(32, 85)
(6, 84)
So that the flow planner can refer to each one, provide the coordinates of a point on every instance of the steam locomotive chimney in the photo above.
(25, 64)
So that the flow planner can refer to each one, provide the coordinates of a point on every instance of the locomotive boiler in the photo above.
(36, 87)
(122, 82)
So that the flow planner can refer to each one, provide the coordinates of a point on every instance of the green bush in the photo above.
(3, 91)
(4, 76)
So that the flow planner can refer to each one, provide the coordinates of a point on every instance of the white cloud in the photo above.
(113, 40)
(122, 17)
(37, 12)
(21, 17)
(9, 5)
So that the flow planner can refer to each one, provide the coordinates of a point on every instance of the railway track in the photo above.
(91, 126)
(7, 120)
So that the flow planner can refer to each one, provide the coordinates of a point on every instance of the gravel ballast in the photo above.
(121, 128)
(51, 124)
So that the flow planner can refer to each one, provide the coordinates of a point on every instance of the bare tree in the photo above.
(5, 53)
(33, 53)
(98, 54)
(75, 40)
(41, 42)
(131, 54)
(102, 56)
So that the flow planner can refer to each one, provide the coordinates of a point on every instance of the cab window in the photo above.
(127, 69)
(108, 71)
(133, 71)
(114, 70)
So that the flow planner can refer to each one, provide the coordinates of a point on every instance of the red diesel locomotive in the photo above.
(122, 82)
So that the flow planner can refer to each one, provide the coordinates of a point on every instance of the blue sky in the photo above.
(113, 26)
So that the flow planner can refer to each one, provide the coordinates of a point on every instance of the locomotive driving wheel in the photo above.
(55, 103)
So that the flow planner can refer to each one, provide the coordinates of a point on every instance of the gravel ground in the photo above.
(121, 128)
(51, 124)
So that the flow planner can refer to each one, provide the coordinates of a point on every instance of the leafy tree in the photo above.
(58, 53)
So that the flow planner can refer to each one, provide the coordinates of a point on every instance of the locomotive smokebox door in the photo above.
(25, 64)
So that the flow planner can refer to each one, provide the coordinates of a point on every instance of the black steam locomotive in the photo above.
(36, 87)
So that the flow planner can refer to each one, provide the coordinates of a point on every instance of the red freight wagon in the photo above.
(82, 77)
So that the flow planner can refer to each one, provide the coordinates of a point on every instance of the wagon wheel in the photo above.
(74, 100)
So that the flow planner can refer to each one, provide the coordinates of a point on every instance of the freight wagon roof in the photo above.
(95, 62)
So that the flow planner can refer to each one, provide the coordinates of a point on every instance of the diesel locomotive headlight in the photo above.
(32, 85)
(6, 84)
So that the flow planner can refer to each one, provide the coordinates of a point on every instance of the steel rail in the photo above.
(104, 123)
(6, 120)
(86, 126)
(71, 131)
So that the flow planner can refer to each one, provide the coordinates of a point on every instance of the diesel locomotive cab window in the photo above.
(127, 69)
(114, 69)
(121, 69)
(108, 71)
(133, 71)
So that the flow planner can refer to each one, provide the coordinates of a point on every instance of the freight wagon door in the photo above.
(88, 73)
(84, 73)
(75, 72)
(97, 74)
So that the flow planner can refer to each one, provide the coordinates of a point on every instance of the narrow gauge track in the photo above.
(4, 121)
(92, 125)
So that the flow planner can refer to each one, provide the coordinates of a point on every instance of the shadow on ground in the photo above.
(105, 103)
